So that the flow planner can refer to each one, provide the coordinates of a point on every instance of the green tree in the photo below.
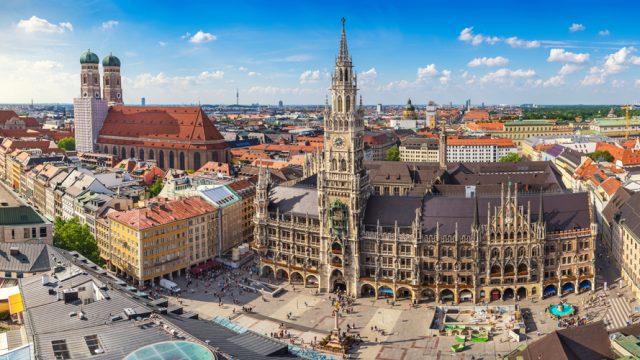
(511, 157)
(71, 235)
(393, 154)
(156, 187)
(601, 155)
(67, 144)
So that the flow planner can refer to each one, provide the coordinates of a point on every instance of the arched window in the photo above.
(141, 157)
(115, 151)
(334, 165)
(196, 161)
(343, 165)
(182, 166)
(508, 252)
(123, 152)
(84, 79)
(172, 163)
(346, 76)
(340, 77)
(95, 80)
(520, 251)
(106, 81)
(347, 106)
(132, 153)
(161, 158)
(339, 103)
(151, 154)
(106, 149)
(495, 253)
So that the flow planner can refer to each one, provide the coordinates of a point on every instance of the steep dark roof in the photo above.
(573, 156)
(420, 175)
(531, 174)
(587, 342)
(630, 214)
(30, 258)
(389, 209)
(295, 200)
(562, 211)
(615, 203)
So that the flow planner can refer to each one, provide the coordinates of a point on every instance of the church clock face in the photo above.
(338, 142)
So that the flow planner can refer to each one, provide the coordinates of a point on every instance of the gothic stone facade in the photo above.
(329, 231)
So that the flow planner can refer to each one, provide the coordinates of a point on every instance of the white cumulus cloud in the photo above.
(215, 75)
(109, 24)
(488, 61)
(604, 32)
(560, 55)
(427, 71)
(614, 63)
(445, 77)
(368, 77)
(516, 42)
(503, 75)
(253, 73)
(468, 36)
(568, 69)
(310, 76)
(35, 24)
(577, 27)
(201, 37)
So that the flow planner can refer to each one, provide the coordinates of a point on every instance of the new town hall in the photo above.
(424, 231)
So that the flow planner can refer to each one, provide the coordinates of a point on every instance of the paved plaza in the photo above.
(389, 331)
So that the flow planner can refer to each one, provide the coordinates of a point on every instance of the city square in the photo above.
(275, 181)
(391, 330)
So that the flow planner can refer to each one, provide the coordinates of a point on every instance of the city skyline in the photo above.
(555, 54)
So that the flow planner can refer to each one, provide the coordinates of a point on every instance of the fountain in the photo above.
(561, 310)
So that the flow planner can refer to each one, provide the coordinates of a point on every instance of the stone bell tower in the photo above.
(343, 185)
(112, 80)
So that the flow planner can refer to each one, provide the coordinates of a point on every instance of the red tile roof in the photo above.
(161, 126)
(214, 167)
(477, 115)
(9, 145)
(6, 115)
(162, 213)
(488, 126)
(626, 156)
(611, 185)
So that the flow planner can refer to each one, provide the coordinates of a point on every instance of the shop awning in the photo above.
(385, 291)
(15, 304)
(550, 290)
(585, 285)
(567, 287)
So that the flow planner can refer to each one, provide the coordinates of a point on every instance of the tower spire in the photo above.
(344, 52)
(476, 214)
(541, 209)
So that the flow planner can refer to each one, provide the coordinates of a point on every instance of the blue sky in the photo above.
(548, 52)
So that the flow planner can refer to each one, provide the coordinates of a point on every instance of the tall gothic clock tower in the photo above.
(343, 183)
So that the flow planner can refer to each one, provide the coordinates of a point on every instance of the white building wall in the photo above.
(89, 116)
(477, 153)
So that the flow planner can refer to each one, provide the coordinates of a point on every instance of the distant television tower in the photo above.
(237, 97)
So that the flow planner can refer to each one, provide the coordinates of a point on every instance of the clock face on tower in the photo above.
(338, 142)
